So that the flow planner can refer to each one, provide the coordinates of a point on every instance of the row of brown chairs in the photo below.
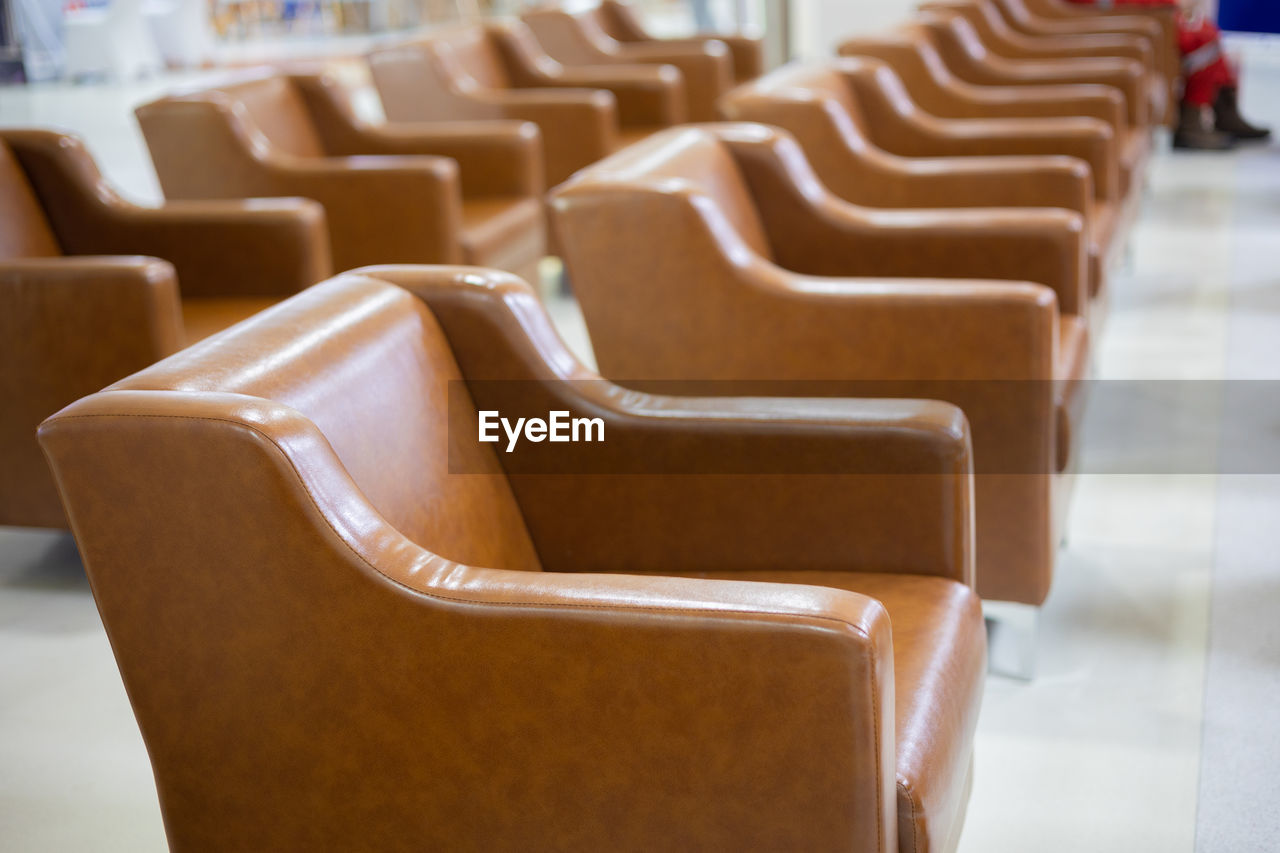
(345, 621)
(466, 191)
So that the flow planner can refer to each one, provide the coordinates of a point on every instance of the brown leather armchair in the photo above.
(705, 66)
(972, 60)
(968, 59)
(1156, 24)
(752, 288)
(910, 52)
(392, 194)
(816, 104)
(498, 71)
(347, 623)
(967, 36)
(1005, 41)
(622, 23)
(89, 289)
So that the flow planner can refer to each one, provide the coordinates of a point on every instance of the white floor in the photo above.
(1150, 726)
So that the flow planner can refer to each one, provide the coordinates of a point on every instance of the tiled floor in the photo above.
(1151, 723)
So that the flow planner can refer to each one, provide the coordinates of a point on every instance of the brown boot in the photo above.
(1227, 118)
(1196, 133)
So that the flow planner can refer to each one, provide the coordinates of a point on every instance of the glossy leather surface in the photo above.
(498, 71)
(392, 193)
(936, 617)
(1156, 25)
(816, 104)
(712, 307)
(89, 289)
(897, 123)
(1003, 40)
(357, 626)
(622, 22)
(973, 58)
(705, 66)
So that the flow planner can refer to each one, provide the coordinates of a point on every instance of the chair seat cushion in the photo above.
(631, 135)
(939, 662)
(506, 233)
(208, 315)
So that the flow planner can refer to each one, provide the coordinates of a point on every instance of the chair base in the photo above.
(1012, 637)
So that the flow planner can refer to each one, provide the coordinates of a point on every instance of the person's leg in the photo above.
(1210, 79)
(1226, 106)
(1204, 71)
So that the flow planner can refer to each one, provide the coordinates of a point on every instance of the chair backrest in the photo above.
(651, 237)
(367, 363)
(429, 79)
(1016, 10)
(278, 111)
(473, 52)
(244, 510)
(572, 38)
(909, 50)
(206, 143)
(620, 21)
(25, 231)
(690, 158)
(953, 37)
(819, 86)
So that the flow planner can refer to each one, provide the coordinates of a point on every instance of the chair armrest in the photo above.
(132, 297)
(814, 233)
(1083, 100)
(700, 464)
(256, 247)
(378, 207)
(68, 328)
(74, 325)
(746, 53)
(1156, 24)
(591, 110)
(823, 236)
(904, 130)
(578, 127)
(707, 69)
(954, 98)
(494, 158)
(670, 659)
(863, 174)
(801, 199)
(1012, 44)
(647, 96)
(968, 182)
(1095, 19)
(1123, 74)
(1101, 46)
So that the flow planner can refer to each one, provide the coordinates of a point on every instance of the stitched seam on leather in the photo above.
(533, 604)
(911, 798)
(875, 722)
